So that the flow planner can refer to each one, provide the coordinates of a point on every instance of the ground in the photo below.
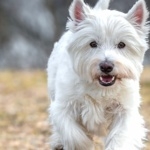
(24, 109)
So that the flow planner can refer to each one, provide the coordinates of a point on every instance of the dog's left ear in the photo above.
(138, 14)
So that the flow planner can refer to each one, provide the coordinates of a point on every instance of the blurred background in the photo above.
(28, 30)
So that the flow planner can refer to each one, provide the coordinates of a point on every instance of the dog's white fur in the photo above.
(80, 106)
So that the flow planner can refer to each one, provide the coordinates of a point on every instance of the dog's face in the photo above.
(107, 46)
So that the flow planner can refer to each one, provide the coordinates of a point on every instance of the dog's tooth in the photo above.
(101, 78)
(113, 78)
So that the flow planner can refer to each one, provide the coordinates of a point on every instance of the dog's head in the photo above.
(107, 46)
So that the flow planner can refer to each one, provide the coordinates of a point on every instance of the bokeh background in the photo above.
(28, 30)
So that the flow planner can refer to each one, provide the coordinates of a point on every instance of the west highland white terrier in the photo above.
(93, 78)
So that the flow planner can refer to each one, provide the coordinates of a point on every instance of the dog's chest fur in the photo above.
(97, 114)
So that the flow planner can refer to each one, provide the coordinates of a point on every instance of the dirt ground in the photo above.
(24, 109)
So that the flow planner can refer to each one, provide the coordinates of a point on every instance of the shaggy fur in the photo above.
(93, 78)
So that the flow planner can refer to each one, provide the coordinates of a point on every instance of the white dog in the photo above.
(93, 78)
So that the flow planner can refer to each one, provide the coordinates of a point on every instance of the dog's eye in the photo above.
(121, 45)
(93, 44)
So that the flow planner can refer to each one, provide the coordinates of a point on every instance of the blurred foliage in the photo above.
(29, 29)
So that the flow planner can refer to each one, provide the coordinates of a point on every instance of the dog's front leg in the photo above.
(127, 132)
(70, 132)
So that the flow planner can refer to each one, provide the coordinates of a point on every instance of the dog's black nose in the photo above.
(106, 66)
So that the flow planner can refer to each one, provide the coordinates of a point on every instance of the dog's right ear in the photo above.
(76, 11)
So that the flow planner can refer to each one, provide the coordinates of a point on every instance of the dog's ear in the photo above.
(102, 4)
(77, 11)
(138, 14)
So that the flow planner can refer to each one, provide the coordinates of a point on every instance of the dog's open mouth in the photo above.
(107, 80)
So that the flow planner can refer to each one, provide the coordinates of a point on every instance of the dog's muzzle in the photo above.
(106, 68)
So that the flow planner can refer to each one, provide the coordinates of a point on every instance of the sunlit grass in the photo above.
(23, 109)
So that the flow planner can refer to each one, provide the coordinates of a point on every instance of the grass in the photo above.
(23, 109)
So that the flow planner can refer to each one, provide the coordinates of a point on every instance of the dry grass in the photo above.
(23, 109)
(145, 109)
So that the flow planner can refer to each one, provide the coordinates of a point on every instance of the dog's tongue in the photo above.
(107, 79)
